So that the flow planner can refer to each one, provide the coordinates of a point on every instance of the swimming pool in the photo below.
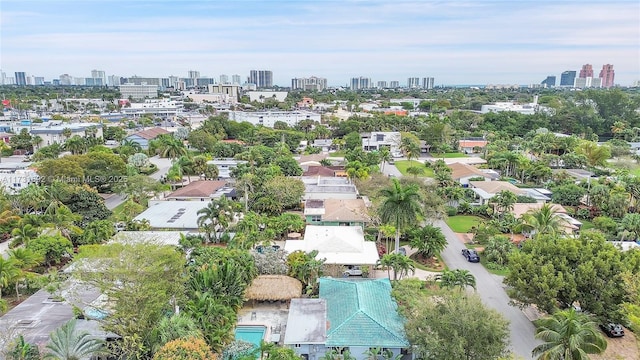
(251, 333)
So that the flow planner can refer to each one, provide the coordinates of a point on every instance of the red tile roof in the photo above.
(198, 189)
(152, 133)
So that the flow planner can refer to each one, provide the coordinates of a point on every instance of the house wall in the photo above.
(316, 352)
(334, 223)
(329, 195)
(144, 143)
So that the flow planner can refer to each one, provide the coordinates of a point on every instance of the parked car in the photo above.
(612, 330)
(352, 270)
(471, 255)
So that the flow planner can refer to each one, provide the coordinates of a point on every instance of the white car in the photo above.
(352, 270)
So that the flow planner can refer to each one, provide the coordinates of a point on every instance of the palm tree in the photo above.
(76, 144)
(3, 147)
(544, 220)
(428, 241)
(568, 335)
(25, 260)
(8, 216)
(401, 206)
(172, 148)
(61, 218)
(415, 170)
(400, 264)
(385, 156)
(216, 216)
(504, 201)
(66, 343)
(22, 350)
(456, 278)
(8, 272)
(23, 234)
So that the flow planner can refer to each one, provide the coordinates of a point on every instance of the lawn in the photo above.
(495, 269)
(403, 165)
(339, 153)
(463, 223)
(449, 155)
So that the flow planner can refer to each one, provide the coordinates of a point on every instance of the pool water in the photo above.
(252, 334)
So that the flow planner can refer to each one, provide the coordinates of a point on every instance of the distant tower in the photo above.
(567, 78)
(606, 76)
(586, 71)
(235, 79)
(224, 79)
(550, 81)
(21, 78)
(194, 74)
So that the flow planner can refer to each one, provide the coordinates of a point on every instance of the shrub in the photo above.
(452, 211)
(185, 349)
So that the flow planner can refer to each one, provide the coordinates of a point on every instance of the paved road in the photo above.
(163, 165)
(492, 293)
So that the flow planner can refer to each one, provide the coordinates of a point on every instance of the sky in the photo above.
(456, 42)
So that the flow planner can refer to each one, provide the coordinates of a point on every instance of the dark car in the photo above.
(471, 255)
(612, 330)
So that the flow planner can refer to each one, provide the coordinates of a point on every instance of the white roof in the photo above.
(337, 244)
(157, 237)
(173, 214)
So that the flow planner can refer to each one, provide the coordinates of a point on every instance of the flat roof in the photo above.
(158, 237)
(173, 214)
(307, 322)
(40, 314)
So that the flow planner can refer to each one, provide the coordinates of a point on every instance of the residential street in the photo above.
(489, 287)
(492, 292)
(163, 165)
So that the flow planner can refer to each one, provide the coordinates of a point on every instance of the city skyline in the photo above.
(454, 42)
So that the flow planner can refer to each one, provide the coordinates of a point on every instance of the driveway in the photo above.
(163, 165)
(493, 294)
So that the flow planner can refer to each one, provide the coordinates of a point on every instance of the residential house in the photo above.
(485, 190)
(336, 212)
(570, 225)
(143, 137)
(462, 173)
(16, 176)
(311, 160)
(52, 132)
(325, 144)
(226, 166)
(172, 215)
(471, 146)
(5, 137)
(376, 140)
(201, 190)
(329, 188)
(339, 245)
(353, 315)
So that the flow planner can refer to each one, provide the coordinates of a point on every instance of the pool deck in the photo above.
(271, 315)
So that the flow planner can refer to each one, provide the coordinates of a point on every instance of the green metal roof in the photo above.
(361, 312)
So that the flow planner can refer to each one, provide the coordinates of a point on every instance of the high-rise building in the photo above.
(311, 83)
(360, 83)
(428, 82)
(224, 79)
(382, 84)
(114, 80)
(394, 84)
(236, 79)
(586, 71)
(99, 74)
(607, 75)
(3, 78)
(413, 82)
(21, 78)
(66, 79)
(588, 82)
(567, 78)
(262, 78)
(550, 81)
(194, 74)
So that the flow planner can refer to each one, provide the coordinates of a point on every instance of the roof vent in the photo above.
(26, 323)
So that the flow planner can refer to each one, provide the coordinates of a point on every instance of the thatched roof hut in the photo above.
(274, 287)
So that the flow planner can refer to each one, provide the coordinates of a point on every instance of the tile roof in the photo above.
(361, 312)
(494, 187)
(198, 189)
(460, 170)
(319, 171)
(345, 209)
(520, 209)
(472, 143)
(152, 133)
(312, 158)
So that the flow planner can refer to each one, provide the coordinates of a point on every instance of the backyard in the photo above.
(463, 223)
(403, 165)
